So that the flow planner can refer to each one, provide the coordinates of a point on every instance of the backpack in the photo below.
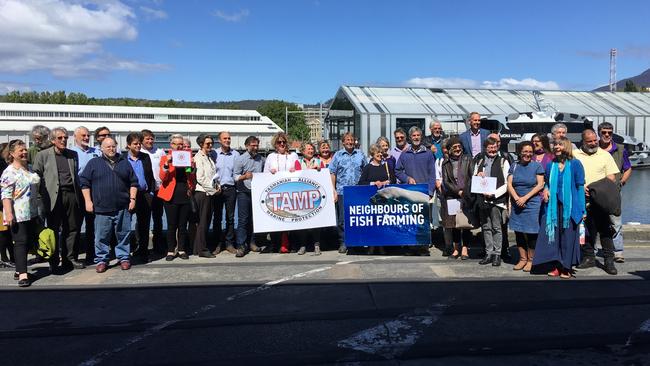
(46, 243)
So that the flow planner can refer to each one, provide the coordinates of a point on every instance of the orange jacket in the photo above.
(168, 178)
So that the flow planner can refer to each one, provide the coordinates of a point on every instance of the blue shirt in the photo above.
(225, 165)
(138, 168)
(85, 155)
(347, 168)
(245, 163)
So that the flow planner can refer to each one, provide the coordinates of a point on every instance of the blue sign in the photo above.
(394, 215)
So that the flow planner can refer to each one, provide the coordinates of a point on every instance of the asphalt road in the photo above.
(331, 309)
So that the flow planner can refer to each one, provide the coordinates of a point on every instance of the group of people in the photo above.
(543, 196)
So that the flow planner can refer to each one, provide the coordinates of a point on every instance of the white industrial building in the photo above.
(371, 112)
(17, 119)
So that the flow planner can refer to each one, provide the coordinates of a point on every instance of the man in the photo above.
(598, 164)
(492, 206)
(225, 157)
(400, 143)
(85, 152)
(505, 245)
(474, 138)
(434, 141)
(40, 136)
(622, 160)
(560, 130)
(148, 139)
(245, 165)
(141, 165)
(100, 134)
(345, 170)
(109, 188)
(58, 168)
(417, 165)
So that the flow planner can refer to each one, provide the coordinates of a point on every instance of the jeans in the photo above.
(491, 223)
(227, 198)
(118, 222)
(244, 219)
(617, 224)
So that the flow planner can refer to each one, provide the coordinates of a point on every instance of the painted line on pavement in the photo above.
(101, 356)
(392, 338)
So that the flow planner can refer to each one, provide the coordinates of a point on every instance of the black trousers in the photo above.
(177, 218)
(308, 237)
(24, 236)
(227, 199)
(205, 208)
(6, 246)
(143, 202)
(159, 245)
(65, 221)
(460, 236)
(526, 240)
(598, 223)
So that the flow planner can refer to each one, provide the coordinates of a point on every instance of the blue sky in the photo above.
(303, 51)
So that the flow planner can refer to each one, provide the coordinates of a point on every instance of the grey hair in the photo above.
(57, 129)
(76, 130)
(176, 136)
(557, 126)
(434, 120)
(374, 148)
(40, 130)
(414, 129)
(605, 125)
(382, 138)
(109, 137)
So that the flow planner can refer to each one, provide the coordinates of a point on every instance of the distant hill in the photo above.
(641, 80)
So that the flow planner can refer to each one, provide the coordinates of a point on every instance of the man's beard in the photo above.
(589, 150)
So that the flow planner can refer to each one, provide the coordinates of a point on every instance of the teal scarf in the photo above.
(552, 214)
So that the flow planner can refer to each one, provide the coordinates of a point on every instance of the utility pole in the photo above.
(286, 119)
(612, 70)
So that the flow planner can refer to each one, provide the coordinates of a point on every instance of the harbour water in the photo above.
(636, 197)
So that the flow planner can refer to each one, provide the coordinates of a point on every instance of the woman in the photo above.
(204, 193)
(384, 146)
(175, 191)
(525, 181)
(377, 173)
(559, 234)
(20, 207)
(542, 149)
(308, 161)
(325, 151)
(456, 172)
(282, 160)
(6, 246)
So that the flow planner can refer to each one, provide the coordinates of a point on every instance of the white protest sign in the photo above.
(287, 201)
(487, 185)
(181, 158)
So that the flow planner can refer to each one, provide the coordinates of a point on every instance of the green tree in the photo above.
(275, 110)
(630, 86)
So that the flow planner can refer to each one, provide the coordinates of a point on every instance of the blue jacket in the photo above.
(577, 188)
(419, 165)
(108, 186)
(466, 140)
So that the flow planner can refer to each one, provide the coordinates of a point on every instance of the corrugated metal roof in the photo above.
(406, 100)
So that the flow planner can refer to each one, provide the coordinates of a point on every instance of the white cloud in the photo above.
(505, 83)
(234, 17)
(9, 86)
(64, 37)
(150, 13)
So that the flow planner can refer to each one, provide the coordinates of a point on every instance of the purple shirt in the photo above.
(476, 142)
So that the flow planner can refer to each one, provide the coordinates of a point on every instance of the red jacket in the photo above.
(168, 178)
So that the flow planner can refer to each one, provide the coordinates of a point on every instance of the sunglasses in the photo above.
(60, 138)
(607, 133)
(103, 135)
(280, 142)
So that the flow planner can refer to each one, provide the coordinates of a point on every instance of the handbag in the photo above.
(462, 221)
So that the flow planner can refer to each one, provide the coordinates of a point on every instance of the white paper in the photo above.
(453, 207)
(181, 158)
(486, 185)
